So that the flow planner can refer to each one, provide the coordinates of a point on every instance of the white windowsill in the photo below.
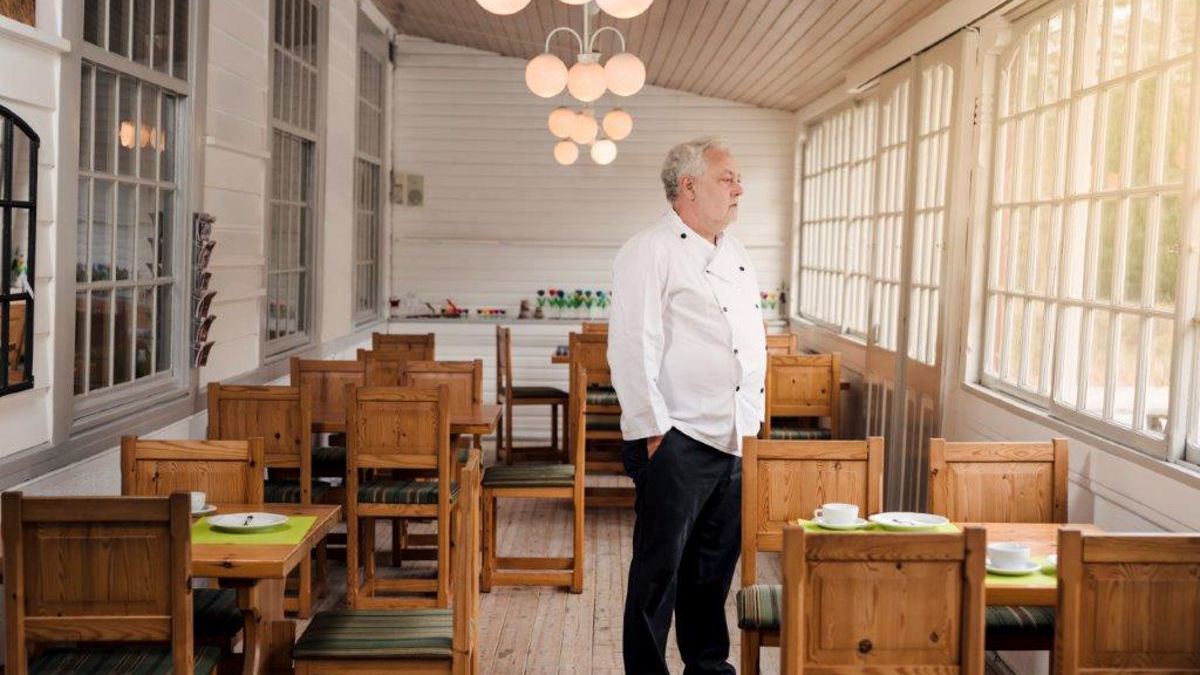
(12, 29)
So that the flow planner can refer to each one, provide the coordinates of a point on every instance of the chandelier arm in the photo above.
(592, 42)
(569, 30)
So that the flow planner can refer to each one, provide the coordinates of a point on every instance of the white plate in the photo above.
(858, 524)
(1029, 568)
(246, 522)
(207, 508)
(1051, 563)
(907, 521)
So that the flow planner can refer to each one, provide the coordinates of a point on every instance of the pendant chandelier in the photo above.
(587, 80)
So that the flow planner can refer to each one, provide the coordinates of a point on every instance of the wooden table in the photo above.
(258, 573)
(480, 419)
(1042, 539)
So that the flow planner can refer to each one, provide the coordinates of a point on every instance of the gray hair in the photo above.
(688, 159)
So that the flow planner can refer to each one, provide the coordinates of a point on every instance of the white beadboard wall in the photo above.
(502, 219)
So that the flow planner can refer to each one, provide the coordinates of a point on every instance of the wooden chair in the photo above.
(802, 389)
(546, 481)
(1003, 483)
(1128, 603)
(280, 416)
(599, 416)
(783, 481)
(394, 428)
(595, 326)
(325, 382)
(510, 397)
(229, 472)
(782, 344)
(885, 604)
(109, 570)
(383, 368)
(413, 347)
(463, 380)
(418, 641)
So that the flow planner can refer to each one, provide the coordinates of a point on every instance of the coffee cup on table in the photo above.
(837, 514)
(1008, 555)
(198, 500)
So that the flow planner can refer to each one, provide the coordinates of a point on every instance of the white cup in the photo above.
(837, 514)
(1009, 555)
(198, 500)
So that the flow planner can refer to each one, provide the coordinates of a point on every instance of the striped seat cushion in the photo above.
(1019, 620)
(119, 661)
(215, 613)
(538, 392)
(330, 457)
(288, 491)
(604, 422)
(377, 634)
(786, 433)
(529, 475)
(402, 492)
(602, 396)
(463, 454)
(758, 606)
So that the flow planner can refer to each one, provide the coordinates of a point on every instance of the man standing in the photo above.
(687, 350)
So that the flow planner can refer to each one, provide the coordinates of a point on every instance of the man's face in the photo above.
(717, 191)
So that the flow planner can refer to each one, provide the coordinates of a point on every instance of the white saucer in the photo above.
(207, 508)
(858, 524)
(905, 521)
(246, 522)
(1029, 568)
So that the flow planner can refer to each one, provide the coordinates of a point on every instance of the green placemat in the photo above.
(1039, 578)
(810, 526)
(290, 533)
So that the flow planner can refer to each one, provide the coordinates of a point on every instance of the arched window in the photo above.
(18, 217)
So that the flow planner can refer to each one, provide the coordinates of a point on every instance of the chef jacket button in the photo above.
(735, 350)
(756, 305)
(761, 389)
(724, 309)
(683, 235)
(737, 388)
(740, 267)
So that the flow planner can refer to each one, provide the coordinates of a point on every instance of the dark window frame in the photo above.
(10, 122)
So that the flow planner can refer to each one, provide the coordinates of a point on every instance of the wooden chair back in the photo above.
(590, 350)
(803, 385)
(16, 342)
(999, 482)
(786, 480)
(383, 368)
(504, 379)
(412, 347)
(886, 604)
(463, 380)
(280, 416)
(399, 428)
(782, 344)
(97, 569)
(325, 382)
(465, 640)
(595, 327)
(228, 472)
(1128, 603)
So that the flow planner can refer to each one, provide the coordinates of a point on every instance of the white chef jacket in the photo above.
(686, 342)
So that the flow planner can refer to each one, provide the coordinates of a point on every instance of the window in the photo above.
(126, 292)
(294, 121)
(1094, 124)
(368, 174)
(18, 218)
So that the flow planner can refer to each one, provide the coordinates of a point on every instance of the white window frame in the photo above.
(367, 272)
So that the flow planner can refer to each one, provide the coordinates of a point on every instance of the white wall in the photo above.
(501, 219)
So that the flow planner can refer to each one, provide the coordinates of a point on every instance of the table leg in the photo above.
(268, 635)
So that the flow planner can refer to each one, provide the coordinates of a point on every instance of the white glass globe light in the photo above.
(585, 81)
(617, 124)
(562, 120)
(566, 152)
(624, 74)
(585, 128)
(604, 151)
(624, 9)
(546, 75)
(503, 7)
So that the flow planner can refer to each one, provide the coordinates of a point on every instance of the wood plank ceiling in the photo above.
(770, 53)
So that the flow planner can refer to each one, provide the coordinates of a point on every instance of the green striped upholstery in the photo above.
(602, 396)
(604, 422)
(402, 492)
(530, 475)
(330, 457)
(215, 613)
(786, 433)
(119, 661)
(463, 454)
(288, 491)
(1017, 620)
(538, 392)
(758, 606)
(377, 634)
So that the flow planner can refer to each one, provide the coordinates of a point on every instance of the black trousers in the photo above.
(685, 546)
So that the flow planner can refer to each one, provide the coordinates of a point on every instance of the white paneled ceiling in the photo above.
(771, 53)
